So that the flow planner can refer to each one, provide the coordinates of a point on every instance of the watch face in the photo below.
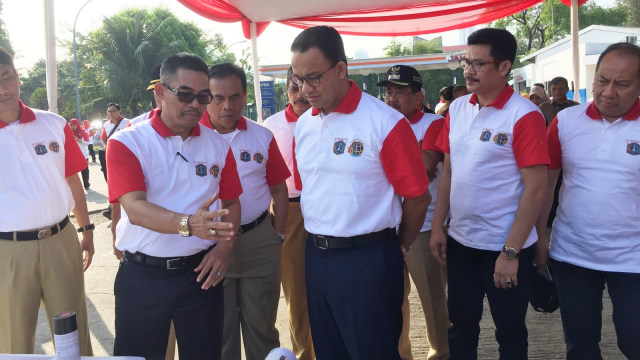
(511, 253)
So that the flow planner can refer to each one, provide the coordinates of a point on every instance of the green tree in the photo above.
(550, 21)
(417, 46)
(4, 35)
(633, 11)
(116, 59)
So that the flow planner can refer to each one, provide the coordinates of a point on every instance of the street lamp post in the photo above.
(75, 62)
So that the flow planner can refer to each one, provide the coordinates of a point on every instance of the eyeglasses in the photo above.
(293, 89)
(398, 94)
(112, 111)
(186, 97)
(311, 80)
(476, 65)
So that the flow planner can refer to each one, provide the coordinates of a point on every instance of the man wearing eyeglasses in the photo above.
(252, 279)
(168, 174)
(403, 84)
(282, 125)
(355, 167)
(493, 181)
(114, 123)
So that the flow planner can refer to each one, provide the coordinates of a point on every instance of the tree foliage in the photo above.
(550, 21)
(633, 11)
(417, 46)
(4, 35)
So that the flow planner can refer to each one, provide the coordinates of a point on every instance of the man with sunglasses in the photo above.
(493, 182)
(167, 174)
(360, 179)
(252, 280)
(403, 84)
(282, 125)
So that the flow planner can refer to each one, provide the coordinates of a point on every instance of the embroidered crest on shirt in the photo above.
(486, 135)
(356, 148)
(54, 146)
(245, 155)
(258, 157)
(339, 145)
(40, 148)
(214, 170)
(501, 138)
(633, 147)
(201, 169)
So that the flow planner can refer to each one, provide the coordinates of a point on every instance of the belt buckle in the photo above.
(177, 262)
(43, 234)
(321, 242)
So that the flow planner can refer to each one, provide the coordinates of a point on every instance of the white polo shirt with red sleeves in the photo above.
(108, 127)
(177, 175)
(282, 125)
(425, 125)
(39, 152)
(260, 165)
(597, 224)
(488, 146)
(354, 165)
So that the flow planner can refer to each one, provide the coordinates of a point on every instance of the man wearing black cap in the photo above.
(403, 84)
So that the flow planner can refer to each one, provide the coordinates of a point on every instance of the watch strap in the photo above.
(91, 226)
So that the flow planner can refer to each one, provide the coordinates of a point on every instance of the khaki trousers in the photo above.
(252, 293)
(45, 272)
(430, 279)
(293, 285)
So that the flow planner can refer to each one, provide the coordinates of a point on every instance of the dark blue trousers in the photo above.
(580, 292)
(148, 298)
(355, 300)
(470, 275)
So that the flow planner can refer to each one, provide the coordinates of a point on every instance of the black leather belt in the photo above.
(334, 242)
(167, 263)
(249, 226)
(294, 199)
(35, 234)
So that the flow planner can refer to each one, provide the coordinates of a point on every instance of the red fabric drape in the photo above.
(422, 18)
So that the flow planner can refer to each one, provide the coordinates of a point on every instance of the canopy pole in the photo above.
(256, 74)
(51, 62)
(575, 49)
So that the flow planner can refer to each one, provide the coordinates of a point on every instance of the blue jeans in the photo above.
(470, 274)
(580, 292)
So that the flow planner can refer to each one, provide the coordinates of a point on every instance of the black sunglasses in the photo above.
(187, 97)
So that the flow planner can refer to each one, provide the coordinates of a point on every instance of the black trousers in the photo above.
(85, 177)
(92, 152)
(148, 298)
(470, 275)
(355, 300)
(103, 163)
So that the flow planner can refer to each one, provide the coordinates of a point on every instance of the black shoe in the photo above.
(87, 187)
(107, 214)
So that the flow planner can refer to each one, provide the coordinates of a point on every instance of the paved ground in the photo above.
(545, 330)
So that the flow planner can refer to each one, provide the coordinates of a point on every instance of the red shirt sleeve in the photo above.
(431, 136)
(124, 172)
(442, 143)
(553, 145)
(230, 187)
(74, 161)
(103, 134)
(277, 170)
(296, 175)
(402, 161)
(530, 140)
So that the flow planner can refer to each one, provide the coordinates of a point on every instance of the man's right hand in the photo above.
(438, 245)
(203, 225)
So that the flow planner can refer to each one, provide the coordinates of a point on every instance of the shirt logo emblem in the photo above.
(339, 145)
(501, 138)
(201, 169)
(486, 135)
(40, 148)
(258, 157)
(54, 146)
(245, 155)
(356, 148)
(633, 147)
(214, 170)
